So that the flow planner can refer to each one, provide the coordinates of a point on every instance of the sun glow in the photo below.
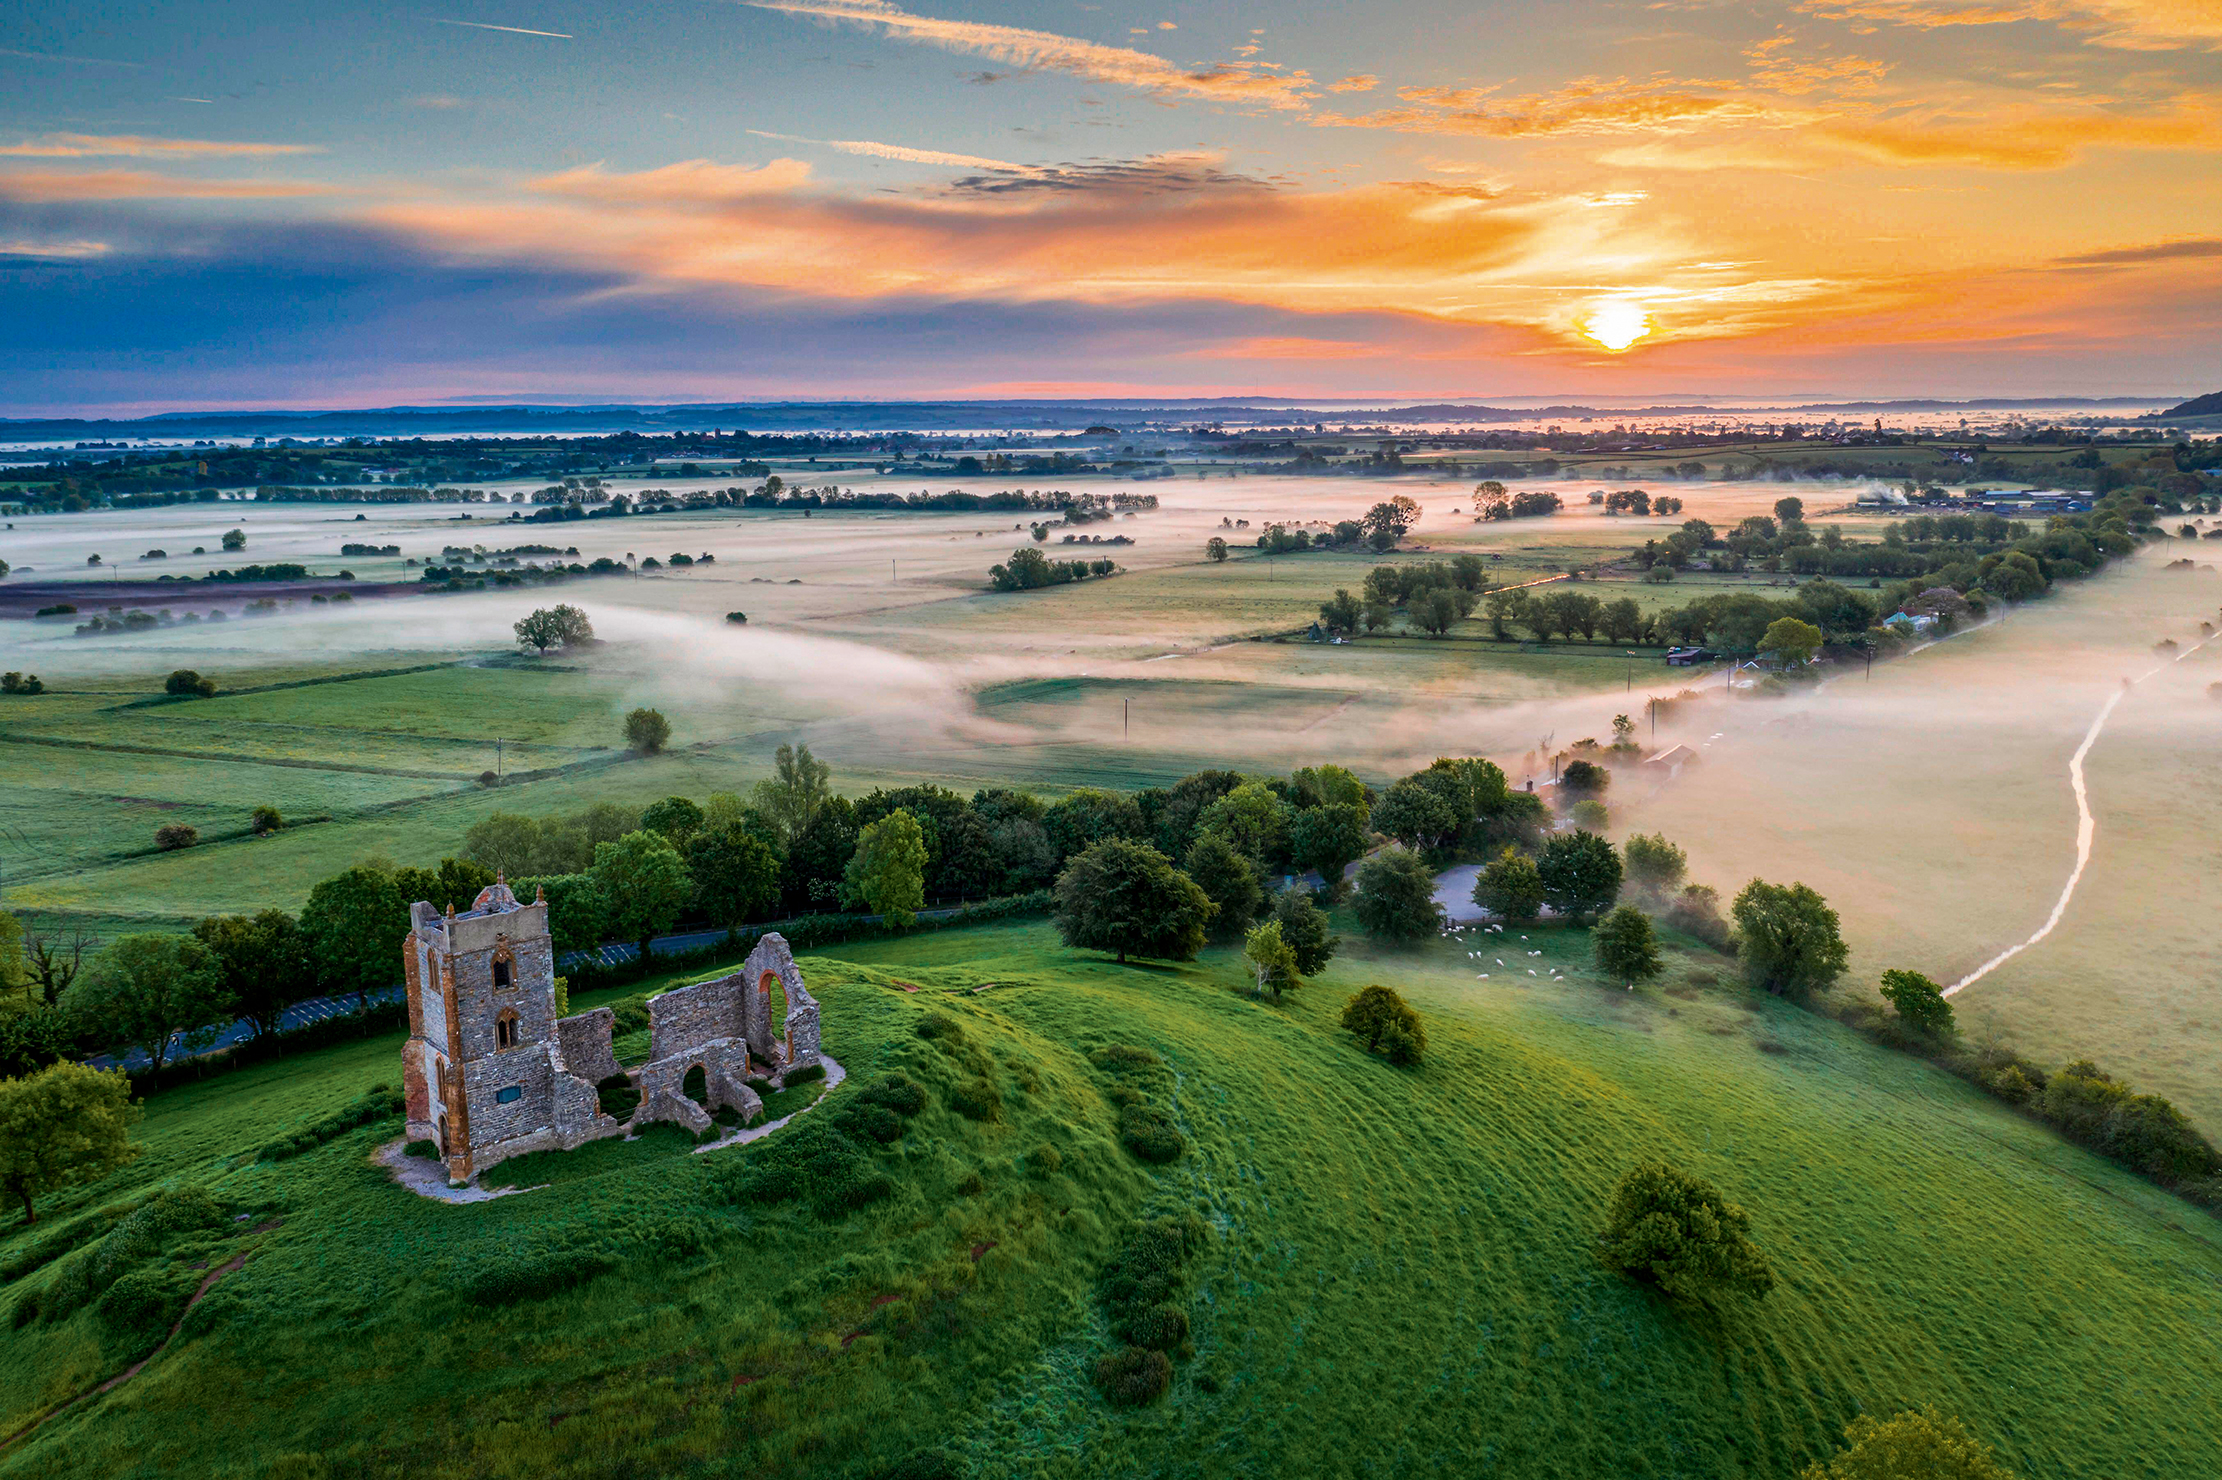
(1617, 323)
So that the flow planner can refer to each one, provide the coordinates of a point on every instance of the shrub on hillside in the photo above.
(813, 1160)
(1910, 1446)
(265, 820)
(1133, 1376)
(171, 836)
(1386, 1024)
(1696, 912)
(1150, 1134)
(975, 1099)
(186, 684)
(1677, 1232)
(1918, 1001)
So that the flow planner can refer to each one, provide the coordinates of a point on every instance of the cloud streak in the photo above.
(91, 146)
(903, 153)
(1046, 51)
(48, 186)
(511, 30)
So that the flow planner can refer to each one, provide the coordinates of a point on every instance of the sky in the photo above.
(253, 203)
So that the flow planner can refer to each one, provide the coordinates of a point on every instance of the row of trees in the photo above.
(1030, 570)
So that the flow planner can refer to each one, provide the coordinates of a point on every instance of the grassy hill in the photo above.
(1399, 1273)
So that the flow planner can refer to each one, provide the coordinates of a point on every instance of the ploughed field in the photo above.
(1399, 1268)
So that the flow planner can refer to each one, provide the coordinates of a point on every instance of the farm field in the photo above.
(1430, 1229)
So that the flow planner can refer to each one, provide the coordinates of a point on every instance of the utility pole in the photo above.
(1122, 721)
(497, 757)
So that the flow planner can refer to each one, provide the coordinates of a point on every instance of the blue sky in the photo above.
(263, 204)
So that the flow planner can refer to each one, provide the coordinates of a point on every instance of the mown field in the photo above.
(1400, 1271)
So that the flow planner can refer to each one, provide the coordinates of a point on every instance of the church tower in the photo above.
(480, 1062)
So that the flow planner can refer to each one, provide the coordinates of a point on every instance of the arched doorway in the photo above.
(696, 1086)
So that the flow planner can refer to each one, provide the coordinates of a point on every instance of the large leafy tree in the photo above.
(1127, 898)
(888, 871)
(1654, 865)
(647, 731)
(1329, 838)
(65, 1125)
(736, 874)
(262, 962)
(1788, 938)
(677, 818)
(1580, 873)
(818, 857)
(1676, 1231)
(1510, 888)
(1396, 897)
(1627, 948)
(643, 883)
(1229, 881)
(355, 922)
(1417, 815)
(1386, 1023)
(143, 989)
(798, 788)
(1304, 928)
(1089, 816)
(508, 841)
(1252, 819)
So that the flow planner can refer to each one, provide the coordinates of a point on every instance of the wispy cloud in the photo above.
(61, 185)
(875, 150)
(2130, 25)
(94, 146)
(691, 182)
(2192, 249)
(1046, 51)
(512, 30)
(53, 251)
(55, 56)
(1158, 174)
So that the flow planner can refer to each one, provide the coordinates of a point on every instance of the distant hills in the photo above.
(2209, 404)
(1117, 416)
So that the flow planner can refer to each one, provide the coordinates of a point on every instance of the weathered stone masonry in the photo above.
(490, 1071)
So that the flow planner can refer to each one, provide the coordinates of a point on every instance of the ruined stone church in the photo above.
(491, 1072)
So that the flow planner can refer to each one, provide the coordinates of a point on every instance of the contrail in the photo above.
(2086, 825)
(512, 30)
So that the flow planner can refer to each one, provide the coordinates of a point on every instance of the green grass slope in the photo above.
(1400, 1274)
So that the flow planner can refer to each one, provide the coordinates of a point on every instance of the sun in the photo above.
(1617, 323)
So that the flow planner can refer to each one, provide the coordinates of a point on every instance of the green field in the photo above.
(1400, 1275)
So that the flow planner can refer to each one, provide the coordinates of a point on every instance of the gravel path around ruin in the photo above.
(834, 1075)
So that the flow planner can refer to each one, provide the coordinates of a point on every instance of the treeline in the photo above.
(1030, 570)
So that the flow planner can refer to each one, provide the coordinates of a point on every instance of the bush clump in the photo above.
(1150, 1134)
(817, 1162)
(1387, 1025)
(172, 836)
(1133, 1376)
(976, 1099)
(1677, 1232)
(897, 1092)
(1117, 1057)
(1910, 1446)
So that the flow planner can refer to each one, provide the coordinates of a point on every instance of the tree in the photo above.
(1329, 838)
(1583, 779)
(1396, 897)
(507, 841)
(1920, 1002)
(1580, 873)
(1340, 613)
(1090, 815)
(541, 629)
(265, 821)
(1791, 641)
(1788, 938)
(1272, 963)
(1127, 898)
(1215, 549)
(1324, 786)
(66, 1125)
(355, 922)
(1789, 509)
(262, 963)
(1229, 881)
(1417, 815)
(647, 731)
(1304, 929)
(143, 989)
(736, 874)
(53, 960)
(1626, 947)
(818, 857)
(1510, 888)
(1386, 523)
(888, 871)
(799, 785)
(184, 683)
(643, 882)
(1383, 1021)
(171, 836)
(235, 539)
(1677, 1232)
(1655, 867)
(1251, 818)
(17, 990)
(1622, 620)
(1910, 1446)
(676, 818)
(1435, 612)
